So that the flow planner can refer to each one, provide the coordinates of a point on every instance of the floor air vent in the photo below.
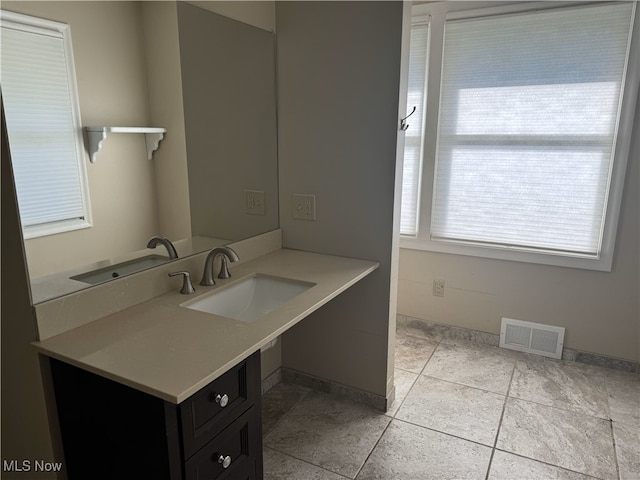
(531, 337)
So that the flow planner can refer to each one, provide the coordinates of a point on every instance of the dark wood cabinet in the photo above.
(111, 431)
(235, 445)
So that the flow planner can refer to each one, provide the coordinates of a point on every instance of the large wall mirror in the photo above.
(209, 81)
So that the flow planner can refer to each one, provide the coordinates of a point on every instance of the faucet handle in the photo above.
(187, 286)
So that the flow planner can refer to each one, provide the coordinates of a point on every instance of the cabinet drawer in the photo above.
(240, 444)
(213, 408)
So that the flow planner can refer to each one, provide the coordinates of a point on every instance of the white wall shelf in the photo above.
(96, 135)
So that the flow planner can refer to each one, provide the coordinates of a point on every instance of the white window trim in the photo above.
(28, 23)
(416, 114)
(422, 241)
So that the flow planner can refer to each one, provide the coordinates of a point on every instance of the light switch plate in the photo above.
(254, 202)
(304, 206)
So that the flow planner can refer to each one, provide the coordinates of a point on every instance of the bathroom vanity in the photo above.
(164, 390)
(111, 431)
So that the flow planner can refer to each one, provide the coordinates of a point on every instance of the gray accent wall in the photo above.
(338, 72)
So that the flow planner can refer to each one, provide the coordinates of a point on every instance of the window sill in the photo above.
(55, 228)
(602, 263)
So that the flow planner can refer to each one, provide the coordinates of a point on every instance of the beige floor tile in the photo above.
(454, 409)
(403, 381)
(572, 386)
(506, 466)
(474, 365)
(624, 397)
(278, 401)
(566, 439)
(555, 424)
(412, 353)
(278, 466)
(417, 328)
(627, 439)
(409, 452)
(331, 433)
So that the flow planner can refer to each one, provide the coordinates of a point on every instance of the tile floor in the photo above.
(462, 410)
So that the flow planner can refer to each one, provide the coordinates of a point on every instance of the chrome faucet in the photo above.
(171, 250)
(224, 252)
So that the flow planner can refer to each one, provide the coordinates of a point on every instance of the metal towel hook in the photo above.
(403, 121)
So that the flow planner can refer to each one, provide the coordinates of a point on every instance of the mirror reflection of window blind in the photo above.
(43, 134)
(413, 140)
(528, 115)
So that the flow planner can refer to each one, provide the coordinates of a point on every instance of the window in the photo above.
(43, 123)
(532, 134)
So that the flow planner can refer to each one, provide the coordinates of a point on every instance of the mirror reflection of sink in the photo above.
(114, 271)
(251, 298)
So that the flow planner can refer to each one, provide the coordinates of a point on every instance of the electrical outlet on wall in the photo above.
(438, 287)
(254, 202)
(304, 206)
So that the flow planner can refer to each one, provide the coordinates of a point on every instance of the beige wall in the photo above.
(111, 77)
(338, 80)
(599, 310)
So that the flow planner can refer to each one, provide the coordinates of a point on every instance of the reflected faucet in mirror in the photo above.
(225, 252)
(156, 240)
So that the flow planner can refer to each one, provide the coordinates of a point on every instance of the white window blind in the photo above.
(529, 108)
(39, 95)
(413, 146)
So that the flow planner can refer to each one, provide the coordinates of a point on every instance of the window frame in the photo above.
(414, 124)
(439, 13)
(36, 25)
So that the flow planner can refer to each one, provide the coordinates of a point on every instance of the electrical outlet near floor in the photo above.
(304, 206)
(438, 287)
(254, 202)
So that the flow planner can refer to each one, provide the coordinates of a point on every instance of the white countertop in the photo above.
(171, 352)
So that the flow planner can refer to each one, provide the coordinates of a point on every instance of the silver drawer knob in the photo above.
(222, 400)
(224, 460)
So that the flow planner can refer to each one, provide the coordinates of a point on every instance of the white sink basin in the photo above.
(250, 298)
(114, 271)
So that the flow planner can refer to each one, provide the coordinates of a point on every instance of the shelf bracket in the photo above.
(97, 135)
